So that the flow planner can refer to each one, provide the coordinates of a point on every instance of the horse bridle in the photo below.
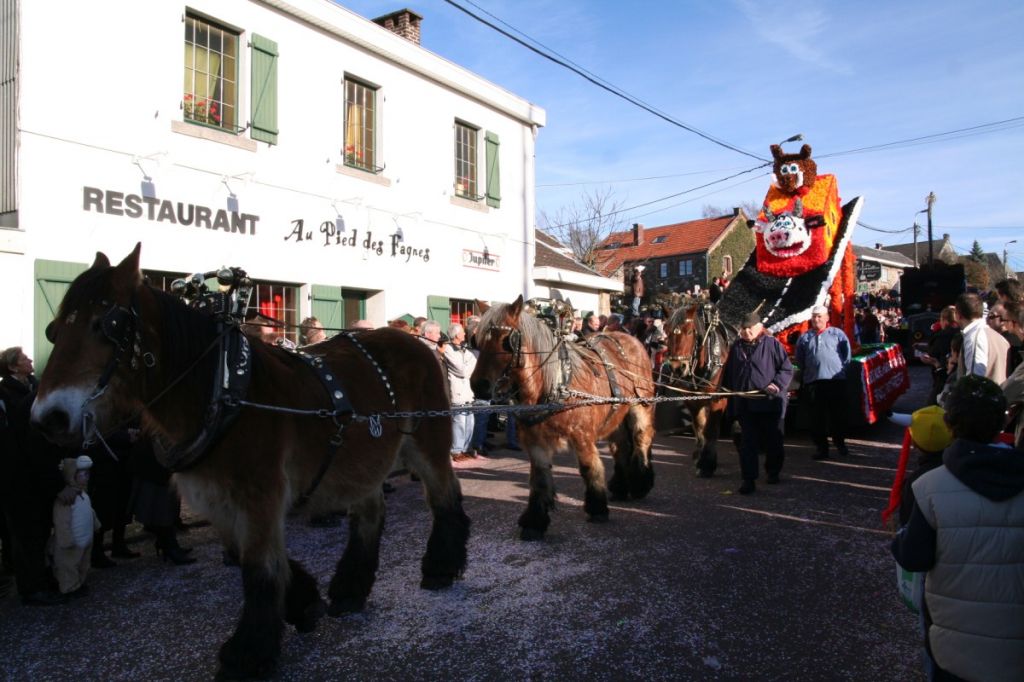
(706, 318)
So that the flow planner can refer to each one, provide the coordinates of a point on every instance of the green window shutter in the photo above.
(328, 307)
(493, 171)
(53, 278)
(264, 89)
(439, 310)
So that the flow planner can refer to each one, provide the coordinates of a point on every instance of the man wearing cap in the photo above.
(636, 284)
(758, 362)
(822, 353)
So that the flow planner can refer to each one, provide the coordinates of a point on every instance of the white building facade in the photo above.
(345, 168)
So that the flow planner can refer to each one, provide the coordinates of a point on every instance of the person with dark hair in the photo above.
(591, 326)
(636, 287)
(985, 349)
(1007, 318)
(938, 351)
(758, 362)
(1010, 290)
(966, 529)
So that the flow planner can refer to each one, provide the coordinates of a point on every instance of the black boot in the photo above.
(168, 548)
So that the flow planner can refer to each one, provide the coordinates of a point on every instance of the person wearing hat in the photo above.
(966, 530)
(928, 432)
(822, 353)
(73, 528)
(758, 362)
(636, 285)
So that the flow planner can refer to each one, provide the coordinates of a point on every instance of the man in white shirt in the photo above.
(985, 350)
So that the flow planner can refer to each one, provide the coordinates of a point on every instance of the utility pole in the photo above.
(917, 230)
(931, 256)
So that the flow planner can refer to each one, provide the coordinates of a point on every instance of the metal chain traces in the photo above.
(585, 400)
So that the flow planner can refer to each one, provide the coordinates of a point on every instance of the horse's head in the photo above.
(499, 339)
(96, 340)
(681, 329)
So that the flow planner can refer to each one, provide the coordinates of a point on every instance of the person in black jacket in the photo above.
(29, 482)
(758, 362)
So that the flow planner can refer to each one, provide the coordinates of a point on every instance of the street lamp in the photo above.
(794, 138)
(1005, 270)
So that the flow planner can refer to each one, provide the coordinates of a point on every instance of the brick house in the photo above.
(678, 257)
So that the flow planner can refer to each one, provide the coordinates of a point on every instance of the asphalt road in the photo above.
(694, 583)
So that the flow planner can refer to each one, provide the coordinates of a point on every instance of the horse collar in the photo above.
(230, 385)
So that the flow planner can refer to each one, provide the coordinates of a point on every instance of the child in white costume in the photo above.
(73, 528)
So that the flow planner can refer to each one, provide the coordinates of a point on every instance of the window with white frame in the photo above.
(361, 125)
(685, 267)
(466, 170)
(726, 265)
(211, 74)
(663, 270)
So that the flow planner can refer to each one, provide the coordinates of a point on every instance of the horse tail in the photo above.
(631, 451)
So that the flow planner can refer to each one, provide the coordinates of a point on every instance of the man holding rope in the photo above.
(758, 362)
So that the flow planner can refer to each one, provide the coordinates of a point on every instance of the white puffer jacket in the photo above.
(975, 590)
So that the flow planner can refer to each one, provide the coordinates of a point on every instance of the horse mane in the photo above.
(538, 339)
(191, 331)
(82, 290)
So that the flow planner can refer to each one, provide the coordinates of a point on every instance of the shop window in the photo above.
(461, 309)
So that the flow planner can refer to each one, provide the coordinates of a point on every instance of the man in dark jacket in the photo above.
(965, 530)
(758, 362)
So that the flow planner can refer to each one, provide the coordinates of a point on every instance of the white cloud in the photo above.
(799, 29)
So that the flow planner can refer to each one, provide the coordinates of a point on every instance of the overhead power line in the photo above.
(993, 127)
(879, 229)
(552, 56)
(660, 199)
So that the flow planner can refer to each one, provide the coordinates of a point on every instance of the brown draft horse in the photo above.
(698, 344)
(522, 360)
(122, 348)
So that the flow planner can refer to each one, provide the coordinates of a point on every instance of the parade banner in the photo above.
(884, 378)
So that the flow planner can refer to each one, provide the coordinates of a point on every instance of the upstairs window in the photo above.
(466, 166)
(659, 239)
(686, 267)
(361, 125)
(211, 74)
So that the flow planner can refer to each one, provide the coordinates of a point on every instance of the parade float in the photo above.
(804, 258)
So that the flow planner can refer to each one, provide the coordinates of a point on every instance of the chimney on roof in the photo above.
(404, 22)
(638, 234)
(736, 211)
(878, 247)
(945, 236)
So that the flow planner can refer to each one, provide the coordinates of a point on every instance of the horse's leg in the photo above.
(303, 606)
(533, 522)
(357, 569)
(253, 649)
(707, 456)
(445, 558)
(639, 470)
(621, 447)
(595, 498)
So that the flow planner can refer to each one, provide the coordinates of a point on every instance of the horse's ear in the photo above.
(101, 261)
(127, 272)
(482, 306)
(516, 307)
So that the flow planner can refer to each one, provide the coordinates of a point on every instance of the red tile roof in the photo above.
(694, 236)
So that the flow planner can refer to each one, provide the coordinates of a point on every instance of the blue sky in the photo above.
(844, 74)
